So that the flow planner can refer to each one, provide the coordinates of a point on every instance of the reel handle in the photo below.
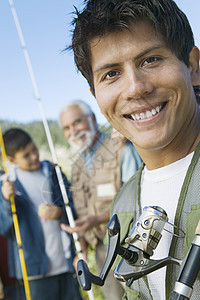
(85, 277)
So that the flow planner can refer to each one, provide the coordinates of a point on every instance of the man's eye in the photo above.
(111, 74)
(150, 60)
(77, 122)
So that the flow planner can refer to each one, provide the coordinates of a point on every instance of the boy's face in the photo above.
(27, 158)
(142, 88)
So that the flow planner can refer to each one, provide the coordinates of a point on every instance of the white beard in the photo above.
(78, 145)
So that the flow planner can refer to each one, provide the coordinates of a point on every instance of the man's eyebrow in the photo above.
(77, 120)
(146, 51)
(106, 66)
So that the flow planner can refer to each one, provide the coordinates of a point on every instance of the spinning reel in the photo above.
(135, 263)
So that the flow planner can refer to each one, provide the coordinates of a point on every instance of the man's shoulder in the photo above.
(131, 152)
(110, 145)
(78, 162)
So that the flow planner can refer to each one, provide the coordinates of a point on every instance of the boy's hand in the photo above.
(50, 212)
(8, 188)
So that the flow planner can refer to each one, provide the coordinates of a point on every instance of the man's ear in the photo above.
(194, 58)
(93, 94)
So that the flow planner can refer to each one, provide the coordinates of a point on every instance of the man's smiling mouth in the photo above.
(146, 114)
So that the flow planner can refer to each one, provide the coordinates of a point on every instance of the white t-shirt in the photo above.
(162, 187)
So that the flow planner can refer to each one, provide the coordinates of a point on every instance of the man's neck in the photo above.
(179, 148)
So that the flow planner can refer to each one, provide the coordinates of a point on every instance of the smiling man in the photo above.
(142, 66)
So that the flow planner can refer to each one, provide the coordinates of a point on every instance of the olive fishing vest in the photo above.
(127, 206)
(93, 193)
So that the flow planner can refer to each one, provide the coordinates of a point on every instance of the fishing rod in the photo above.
(48, 134)
(16, 225)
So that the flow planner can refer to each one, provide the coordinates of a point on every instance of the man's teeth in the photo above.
(147, 114)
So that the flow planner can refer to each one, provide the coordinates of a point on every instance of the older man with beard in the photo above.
(97, 175)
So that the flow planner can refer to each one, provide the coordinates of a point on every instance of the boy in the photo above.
(142, 65)
(40, 207)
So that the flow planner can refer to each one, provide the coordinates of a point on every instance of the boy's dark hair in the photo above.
(15, 139)
(105, 16)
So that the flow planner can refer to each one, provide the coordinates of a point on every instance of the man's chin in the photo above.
(36, 166)
(80, 145)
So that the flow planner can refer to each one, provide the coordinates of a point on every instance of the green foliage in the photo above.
(106, 129)
(37, 132)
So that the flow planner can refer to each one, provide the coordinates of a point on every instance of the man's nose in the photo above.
(136, 84)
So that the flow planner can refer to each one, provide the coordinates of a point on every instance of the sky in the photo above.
(46, 29)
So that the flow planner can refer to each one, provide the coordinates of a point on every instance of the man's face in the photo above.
(27, 158)
(142, 88)
(78, 128)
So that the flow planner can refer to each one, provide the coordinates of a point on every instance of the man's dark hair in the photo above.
(15, 139)
(105, 16)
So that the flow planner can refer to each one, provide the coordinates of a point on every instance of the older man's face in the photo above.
(79, 129)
